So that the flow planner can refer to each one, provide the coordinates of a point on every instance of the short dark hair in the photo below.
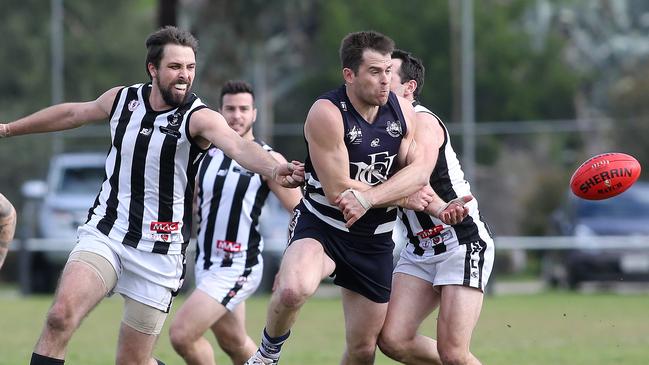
(353, 45)
(236, 87)
(411, 69)
(157, 40)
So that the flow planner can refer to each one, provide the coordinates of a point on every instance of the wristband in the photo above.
(361, 199)
(274, 173)
(459, 201)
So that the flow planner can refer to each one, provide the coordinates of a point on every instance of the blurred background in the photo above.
(528, 88)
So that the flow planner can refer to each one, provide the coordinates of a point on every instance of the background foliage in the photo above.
(534, 61)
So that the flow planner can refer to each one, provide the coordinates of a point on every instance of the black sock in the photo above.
(44, 360)
(159, 362)
(272, 346)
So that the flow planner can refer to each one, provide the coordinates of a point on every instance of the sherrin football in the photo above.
(605, 176)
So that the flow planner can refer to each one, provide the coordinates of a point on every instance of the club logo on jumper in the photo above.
(394, 129)
(355, 135)
(377, 170)
(146, 131)
(165, 227)
(343, 106)
(375, 142)
(228, 246)
(133, 104)
(174, 119)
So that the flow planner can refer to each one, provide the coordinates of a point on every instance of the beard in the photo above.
(169, 97)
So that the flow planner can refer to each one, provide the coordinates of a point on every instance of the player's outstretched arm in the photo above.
(7, 226)
(62, 116)
(289, 197)
(207, 126)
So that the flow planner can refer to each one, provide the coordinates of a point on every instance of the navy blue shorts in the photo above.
(363, 264)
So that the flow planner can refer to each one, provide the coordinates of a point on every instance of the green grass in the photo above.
(552, 328)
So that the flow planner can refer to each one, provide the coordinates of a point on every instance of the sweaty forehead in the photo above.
(372, 58)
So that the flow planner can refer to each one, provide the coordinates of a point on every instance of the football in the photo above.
(605, 176)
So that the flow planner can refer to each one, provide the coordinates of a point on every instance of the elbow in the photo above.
(421, 179)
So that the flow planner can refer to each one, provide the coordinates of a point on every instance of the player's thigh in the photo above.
(197, 315)
(411, 301)
(79, 290)
(231, 326)
(459, 311)
(363, 319)
(304, 262)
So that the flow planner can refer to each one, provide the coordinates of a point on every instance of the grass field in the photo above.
(551, 328)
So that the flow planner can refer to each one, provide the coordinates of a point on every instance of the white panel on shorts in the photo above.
(229, 285)
(452, 267)
(146, 277)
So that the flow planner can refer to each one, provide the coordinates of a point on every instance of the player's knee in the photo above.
(179, 337)
(452, 355)
(362, 353)
(232, 343)
(392, 346)
(293, 296)
(60, 318)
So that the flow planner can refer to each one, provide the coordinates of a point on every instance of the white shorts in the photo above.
(467, 265)
(229, 285)
(146, 277)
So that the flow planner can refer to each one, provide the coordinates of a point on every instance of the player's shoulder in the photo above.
(323, 111)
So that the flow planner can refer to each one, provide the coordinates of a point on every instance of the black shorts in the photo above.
(363, 264)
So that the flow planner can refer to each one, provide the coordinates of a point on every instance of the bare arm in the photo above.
(62, 116)
(7, 226)
(418, 155)
(289, 197)
(208, 126)
(324, 131)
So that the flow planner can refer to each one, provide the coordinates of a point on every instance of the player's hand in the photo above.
(290, 174)
(454, 211)
(353, 205)
(4, 130)
(419, 200)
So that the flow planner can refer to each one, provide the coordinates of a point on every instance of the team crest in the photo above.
(355, 135)
(133, 104)
(174, 119)
(394, 129)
